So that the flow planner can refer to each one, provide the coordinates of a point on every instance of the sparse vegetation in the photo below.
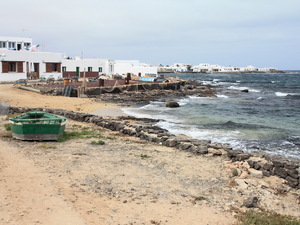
(100, 142)
(12, 115)
(45, 146)
(143, 156)
(265, 218)
(234, 172)
(7, 127)
(71, 135)
(200, 198)
(82, 133)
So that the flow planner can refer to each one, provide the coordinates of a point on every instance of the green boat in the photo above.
(37, 125)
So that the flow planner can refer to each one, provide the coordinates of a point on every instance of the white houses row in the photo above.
(20, 59)
(211, 68)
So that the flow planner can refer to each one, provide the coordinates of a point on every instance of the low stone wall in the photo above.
(263, 164)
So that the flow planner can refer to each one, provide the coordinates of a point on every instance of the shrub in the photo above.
(265, 218)
(100, 142)
(45, 146)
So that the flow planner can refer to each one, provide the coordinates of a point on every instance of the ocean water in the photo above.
(267, 118)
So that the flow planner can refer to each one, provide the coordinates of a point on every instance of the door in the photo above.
(77, 71)
(36, 69)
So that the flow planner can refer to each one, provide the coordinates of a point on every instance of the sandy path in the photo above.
(20, 98)
(27, 195)
(109, 184)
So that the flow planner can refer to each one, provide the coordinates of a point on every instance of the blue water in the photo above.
(267, 118)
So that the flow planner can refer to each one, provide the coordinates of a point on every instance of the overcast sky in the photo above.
(262, 33)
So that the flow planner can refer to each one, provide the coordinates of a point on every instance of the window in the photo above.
(2, 44)
(12, 67)
(100, 69)
(11, 45)
(64, 69)
(27, 46)
(90, 69)
(54, 67)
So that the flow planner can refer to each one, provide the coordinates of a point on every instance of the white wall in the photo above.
(71, 65)
(10, 77)
(122, 67)
(31, 57)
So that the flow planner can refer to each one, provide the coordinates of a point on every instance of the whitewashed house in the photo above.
(249, 69)
(20, 59)
(175, 68)
(79, 67)
(206, 68)
(122, 67)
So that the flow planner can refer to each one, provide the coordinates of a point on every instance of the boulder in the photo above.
(4, 109)
(280, 172)
(172, 104)
(255, 173)
(250, 202)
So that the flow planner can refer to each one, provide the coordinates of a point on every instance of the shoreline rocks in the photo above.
(259, 165)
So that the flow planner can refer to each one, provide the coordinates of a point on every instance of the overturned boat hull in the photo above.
(37, 125)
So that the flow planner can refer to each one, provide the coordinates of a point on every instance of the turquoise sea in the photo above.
(267, 118)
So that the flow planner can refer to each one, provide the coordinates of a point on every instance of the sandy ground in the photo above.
(124, 181)
(21, 98)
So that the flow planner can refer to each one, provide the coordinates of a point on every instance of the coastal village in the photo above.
(118, 169)
(21, 59)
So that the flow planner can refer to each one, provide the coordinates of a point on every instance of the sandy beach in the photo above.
(124, 181)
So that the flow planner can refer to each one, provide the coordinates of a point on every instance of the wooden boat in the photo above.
(37, 125)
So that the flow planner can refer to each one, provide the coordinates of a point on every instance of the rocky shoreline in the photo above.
(260, 164)
(257, 164)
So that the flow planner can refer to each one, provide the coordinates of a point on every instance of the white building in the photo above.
(122, 67)
(206, 68)
(21, 60)
(175, 68)
(90, 67)
(249, 69)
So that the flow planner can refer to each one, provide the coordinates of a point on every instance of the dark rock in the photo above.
(215, 146)
(250, 202)
(251, 163)
(171, 143)
(233, 153)
(243, 156)
(172, 104)
(200, 149)
(292, 182)
(279, 171)
(245, 90)
(278, 162)
(227, 147)
(184, 146)
(268, 166)
(266, 173)
(258, 165)
(293, 173)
